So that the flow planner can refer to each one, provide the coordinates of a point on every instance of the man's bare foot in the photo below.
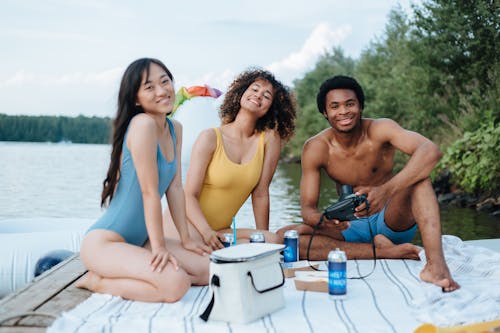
(439, 275)
(88, 281)
(389, 250)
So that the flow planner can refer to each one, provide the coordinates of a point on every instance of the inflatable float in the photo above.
(25, 241)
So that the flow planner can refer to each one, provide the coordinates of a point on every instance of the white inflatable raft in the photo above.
(24, 241)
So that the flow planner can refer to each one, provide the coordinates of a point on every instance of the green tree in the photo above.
(394, 80)
(473, 159)
(54, 129)
(458, 47)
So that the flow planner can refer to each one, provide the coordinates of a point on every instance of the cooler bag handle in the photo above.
(214, 281)
(270, 288)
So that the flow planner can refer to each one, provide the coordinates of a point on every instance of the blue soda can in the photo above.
(257, 237)
(291, 241)
(228, 239)
(337, 277)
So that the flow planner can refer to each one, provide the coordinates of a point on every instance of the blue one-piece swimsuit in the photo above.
(125, 214)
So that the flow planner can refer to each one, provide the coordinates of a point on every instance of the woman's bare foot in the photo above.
(439, 275)
(389, 250)
(88, 281)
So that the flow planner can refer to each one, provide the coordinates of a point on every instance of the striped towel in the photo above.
(392, 299)
(477, 270)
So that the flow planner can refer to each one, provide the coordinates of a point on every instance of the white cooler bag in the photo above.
(246, 282)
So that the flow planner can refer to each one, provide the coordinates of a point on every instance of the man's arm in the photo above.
(424, 157)
(310, 181)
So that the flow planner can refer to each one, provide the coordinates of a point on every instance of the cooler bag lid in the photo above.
(244, 252)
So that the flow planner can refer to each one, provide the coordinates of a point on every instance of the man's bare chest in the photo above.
(367, 165)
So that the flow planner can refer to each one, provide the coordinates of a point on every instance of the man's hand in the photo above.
(334, 225)
(377, 197)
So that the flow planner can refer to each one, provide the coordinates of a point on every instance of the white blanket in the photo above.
(392, 299)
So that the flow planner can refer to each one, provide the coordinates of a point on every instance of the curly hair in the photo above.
(281, 114)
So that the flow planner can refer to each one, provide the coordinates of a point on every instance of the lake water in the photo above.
(47, 180)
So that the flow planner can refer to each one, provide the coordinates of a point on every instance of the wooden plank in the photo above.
(46, 294)
(11, 329)
(66, 300)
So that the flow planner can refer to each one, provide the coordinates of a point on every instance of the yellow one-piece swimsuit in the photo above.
(227, 185)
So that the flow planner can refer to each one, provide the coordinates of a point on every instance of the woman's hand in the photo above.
(196, 247)
(212, 239)
(160, 259)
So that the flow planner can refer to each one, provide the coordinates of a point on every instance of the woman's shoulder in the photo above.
(142, 121)
(209, 133)
(271, 136)
(207, 140)
(141, 129)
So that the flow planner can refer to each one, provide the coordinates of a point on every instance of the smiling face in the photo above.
(156, 93)
(343, 110)
(258, 97)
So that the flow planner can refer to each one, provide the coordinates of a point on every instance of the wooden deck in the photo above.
(36, 306)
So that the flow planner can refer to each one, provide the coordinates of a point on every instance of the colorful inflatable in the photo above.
(185, 94)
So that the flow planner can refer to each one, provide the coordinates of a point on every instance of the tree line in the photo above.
(79, 129)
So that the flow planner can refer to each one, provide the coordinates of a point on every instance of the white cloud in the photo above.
(322, 39)
(22, 77)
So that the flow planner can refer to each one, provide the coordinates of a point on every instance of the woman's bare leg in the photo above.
(195, 265)
(122, 269)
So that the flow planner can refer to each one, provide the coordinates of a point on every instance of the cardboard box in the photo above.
(289, 268)
(312, 281)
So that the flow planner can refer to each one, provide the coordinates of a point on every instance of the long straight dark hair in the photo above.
(127, 109)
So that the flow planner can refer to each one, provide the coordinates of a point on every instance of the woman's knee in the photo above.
(202, 275)
(174, 285)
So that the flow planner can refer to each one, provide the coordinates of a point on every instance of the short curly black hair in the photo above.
(339, 82)
(282, 112)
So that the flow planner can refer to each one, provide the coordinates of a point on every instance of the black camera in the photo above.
(343, 209)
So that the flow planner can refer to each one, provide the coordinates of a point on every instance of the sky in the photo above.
(66, 57)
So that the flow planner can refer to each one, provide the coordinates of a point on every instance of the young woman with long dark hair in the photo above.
(125, 250)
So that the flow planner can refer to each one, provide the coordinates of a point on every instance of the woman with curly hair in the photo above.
(239, 158)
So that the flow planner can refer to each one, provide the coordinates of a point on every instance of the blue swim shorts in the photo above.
(359, 231)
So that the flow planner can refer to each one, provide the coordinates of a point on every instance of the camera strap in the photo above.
(315, 229)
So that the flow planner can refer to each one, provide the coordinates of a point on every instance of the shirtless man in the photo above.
(360, 152)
